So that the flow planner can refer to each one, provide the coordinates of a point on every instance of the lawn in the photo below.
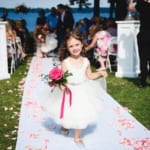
(124, 90)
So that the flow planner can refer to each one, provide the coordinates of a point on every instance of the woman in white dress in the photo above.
(45, 40)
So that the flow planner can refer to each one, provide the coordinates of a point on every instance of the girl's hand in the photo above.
(63, 88)
(103, 72)
(86, 48)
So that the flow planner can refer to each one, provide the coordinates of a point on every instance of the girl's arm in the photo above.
(93, 43)
(63, 67)
(94, 75)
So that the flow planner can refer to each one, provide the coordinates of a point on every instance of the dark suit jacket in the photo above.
(67, 23)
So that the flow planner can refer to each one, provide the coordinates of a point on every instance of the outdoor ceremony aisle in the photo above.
(116, 128)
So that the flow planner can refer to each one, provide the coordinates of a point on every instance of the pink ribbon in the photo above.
(63, 101)
(102, 51)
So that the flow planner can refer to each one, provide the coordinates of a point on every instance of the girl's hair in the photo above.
(63, 50)
(94, 29)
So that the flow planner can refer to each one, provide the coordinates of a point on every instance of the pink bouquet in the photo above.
(103, 44)
(41, 38)
(56, 77)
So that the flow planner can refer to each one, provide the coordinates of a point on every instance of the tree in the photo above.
(21, 9)
(81, 3)
(96, 9)
(85, 3)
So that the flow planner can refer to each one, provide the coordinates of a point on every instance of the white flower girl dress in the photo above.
(86, 105)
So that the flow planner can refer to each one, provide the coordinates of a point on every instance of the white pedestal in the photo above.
(128, 58)
(3, 53)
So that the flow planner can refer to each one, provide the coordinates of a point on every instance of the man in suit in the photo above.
(65, 22)
(143, 38)
(112, 8)
(121, 9)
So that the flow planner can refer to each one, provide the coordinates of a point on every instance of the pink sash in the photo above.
(63, 101)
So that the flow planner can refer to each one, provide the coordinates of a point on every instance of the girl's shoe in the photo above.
(64, 131)
(79, 142)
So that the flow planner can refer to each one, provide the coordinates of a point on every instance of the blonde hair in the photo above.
(94, 29)
(9, 31)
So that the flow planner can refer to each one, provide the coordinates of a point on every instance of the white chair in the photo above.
(112, 54)
(19, 49)
(13, 64)
(11, 47)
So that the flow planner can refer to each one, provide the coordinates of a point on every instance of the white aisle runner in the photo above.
(116, 129)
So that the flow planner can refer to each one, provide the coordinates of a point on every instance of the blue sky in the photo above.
(40, 3)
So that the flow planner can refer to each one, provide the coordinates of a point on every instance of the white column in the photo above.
(3, 52)
(128, 57)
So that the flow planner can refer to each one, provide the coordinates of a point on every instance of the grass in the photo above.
(10, 102)
(124, 90)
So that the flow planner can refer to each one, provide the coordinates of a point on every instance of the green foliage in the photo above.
(65, 76)
(21, 9)
(81, 3)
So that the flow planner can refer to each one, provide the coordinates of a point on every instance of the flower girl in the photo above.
(80, 97)
(45, 40)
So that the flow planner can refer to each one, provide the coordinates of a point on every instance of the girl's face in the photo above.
(74, 47)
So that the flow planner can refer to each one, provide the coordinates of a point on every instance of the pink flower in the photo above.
(41, 38)
(103, 43)
(126, 142)
(56, 74)
(56, 77)
(106, 38)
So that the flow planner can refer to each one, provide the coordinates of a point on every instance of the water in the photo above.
(31, 16)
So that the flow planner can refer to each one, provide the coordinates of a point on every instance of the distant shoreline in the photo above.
(32, 14)
(74, 10)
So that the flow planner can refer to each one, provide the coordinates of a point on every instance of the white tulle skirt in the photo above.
(85, 109)
(50, 44)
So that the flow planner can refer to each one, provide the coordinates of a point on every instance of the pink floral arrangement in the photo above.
(41, 38)
(39, 35)
(103, 44)
(56, 77)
